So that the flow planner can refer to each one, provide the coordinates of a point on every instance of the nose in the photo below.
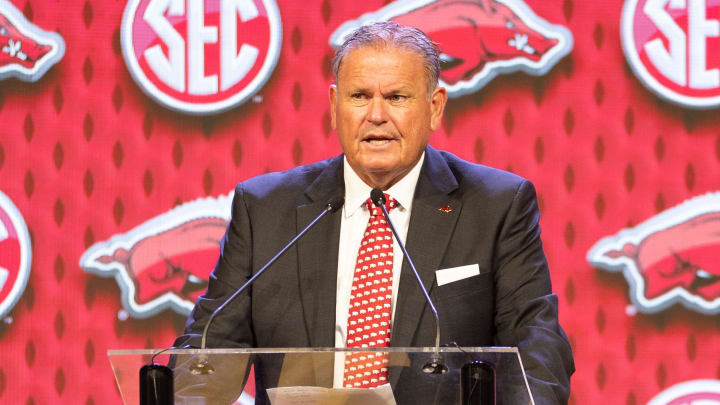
(376, 113)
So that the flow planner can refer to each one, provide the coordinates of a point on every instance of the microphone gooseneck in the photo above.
(435, 365)
(202, 366)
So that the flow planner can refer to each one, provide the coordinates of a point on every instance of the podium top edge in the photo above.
(299, 350)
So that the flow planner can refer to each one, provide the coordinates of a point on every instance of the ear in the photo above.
(333, 99)
(437, 107)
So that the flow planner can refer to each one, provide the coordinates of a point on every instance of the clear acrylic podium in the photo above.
(314, 367)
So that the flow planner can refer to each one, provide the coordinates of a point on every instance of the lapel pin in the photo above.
(445, 208)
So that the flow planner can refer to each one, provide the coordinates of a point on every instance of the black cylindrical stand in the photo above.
(477, 382)
(156, 385)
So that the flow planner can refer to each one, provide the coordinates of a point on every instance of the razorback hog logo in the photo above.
(695, 392)
(669, 258)
(166, 261)
(479, 39)
(201, 57)
(673, 47)
(15, 255)
(26, 51)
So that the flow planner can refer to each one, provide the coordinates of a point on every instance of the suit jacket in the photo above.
(493, 222)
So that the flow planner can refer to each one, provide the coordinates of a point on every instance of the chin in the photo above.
(378, 169)
(379, 161)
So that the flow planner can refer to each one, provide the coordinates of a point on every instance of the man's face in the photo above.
(382, 112)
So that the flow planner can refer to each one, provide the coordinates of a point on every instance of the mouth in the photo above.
(14, 49)
(703, 279)
(448, 62)
(377, 139)
(193, 284)
(521, 43)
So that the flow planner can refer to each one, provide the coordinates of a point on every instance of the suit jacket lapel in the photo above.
(318, 255)
(428, 236)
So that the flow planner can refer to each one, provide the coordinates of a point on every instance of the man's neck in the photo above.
(357, 190)
(382, 182)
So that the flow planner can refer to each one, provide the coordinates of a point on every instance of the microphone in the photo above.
(435, 365)
(202, 365)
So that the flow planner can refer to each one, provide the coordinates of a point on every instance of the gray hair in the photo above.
(385, 34)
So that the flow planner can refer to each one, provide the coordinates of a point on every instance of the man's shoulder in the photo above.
(477, 176)
(288, 182)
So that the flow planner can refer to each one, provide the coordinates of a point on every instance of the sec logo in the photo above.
(201, 56)
(15, 255)
(673, 47)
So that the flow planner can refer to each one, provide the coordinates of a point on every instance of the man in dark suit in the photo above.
(452, 213)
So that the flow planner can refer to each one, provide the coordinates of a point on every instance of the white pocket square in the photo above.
(446, 276)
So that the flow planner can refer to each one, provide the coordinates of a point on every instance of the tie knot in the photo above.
(375, 211)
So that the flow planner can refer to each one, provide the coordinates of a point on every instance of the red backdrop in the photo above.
(85, 155)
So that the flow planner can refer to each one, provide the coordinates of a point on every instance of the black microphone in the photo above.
(202, 365)
(435, 365)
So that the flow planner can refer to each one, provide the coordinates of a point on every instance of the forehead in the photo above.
(377, 61)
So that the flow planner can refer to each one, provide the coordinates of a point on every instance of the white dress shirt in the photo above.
(355, 217)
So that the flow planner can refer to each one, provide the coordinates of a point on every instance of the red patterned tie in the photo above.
(371, 302)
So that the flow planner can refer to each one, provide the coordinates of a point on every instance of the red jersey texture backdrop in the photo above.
(108, 162)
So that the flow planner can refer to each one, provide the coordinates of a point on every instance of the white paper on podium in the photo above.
(331, 396)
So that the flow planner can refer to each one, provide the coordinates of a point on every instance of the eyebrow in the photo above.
(394, 90)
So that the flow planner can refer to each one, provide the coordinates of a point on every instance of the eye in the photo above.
(510, 25)
(397, 97)
(3, 31)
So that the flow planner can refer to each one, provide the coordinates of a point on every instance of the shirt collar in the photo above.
(357, 191)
